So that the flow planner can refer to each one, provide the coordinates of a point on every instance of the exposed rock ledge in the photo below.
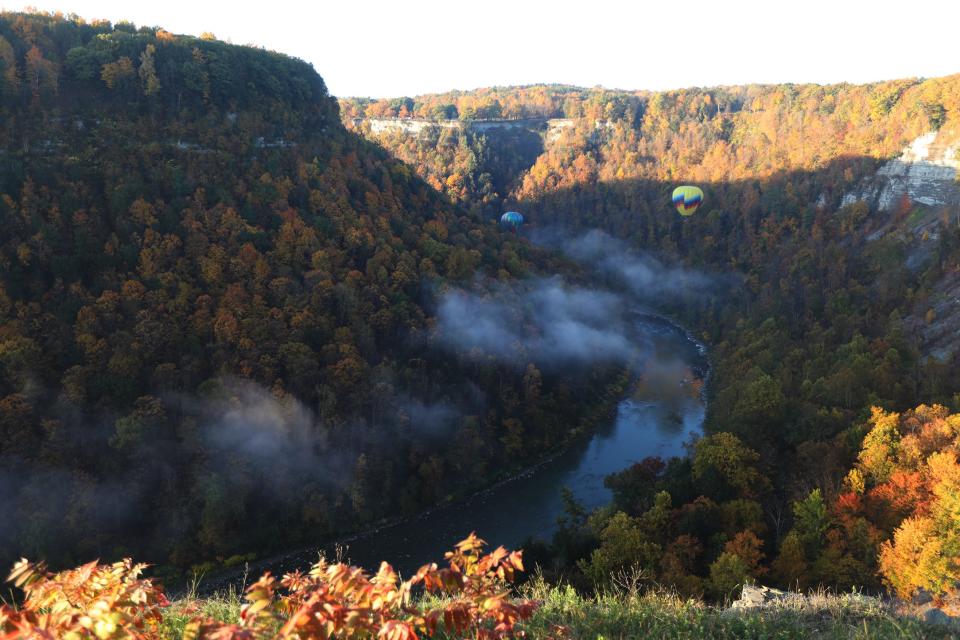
(926, 172)
(416, 125)
(551, 128)
(756, 597)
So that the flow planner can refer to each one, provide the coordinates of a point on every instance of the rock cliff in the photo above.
(926, 172)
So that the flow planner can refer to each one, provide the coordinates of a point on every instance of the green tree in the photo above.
(727, 573)
(623, 546)
(82, 63)
(141, 426)
(811, 522)
(722, 460)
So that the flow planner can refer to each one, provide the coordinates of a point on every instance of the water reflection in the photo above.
(663, 411)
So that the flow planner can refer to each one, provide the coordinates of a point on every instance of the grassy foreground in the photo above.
(619, 615)
(652, 615)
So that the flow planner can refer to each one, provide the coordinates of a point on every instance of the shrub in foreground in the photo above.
(331, 600)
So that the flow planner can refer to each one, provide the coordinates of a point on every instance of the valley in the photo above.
(244, 322)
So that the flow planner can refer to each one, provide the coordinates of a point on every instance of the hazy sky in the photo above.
(375, 48)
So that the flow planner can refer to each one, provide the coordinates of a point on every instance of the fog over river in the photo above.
(663, 410)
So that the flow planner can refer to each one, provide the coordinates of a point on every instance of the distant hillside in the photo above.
(846, 262)
(712, 134)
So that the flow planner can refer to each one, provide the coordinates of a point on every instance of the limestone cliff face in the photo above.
(406, 125)
(550, 128)
(926, 172)
(416, 125)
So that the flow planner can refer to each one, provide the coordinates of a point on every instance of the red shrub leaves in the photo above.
(92, 601)
(332, 600)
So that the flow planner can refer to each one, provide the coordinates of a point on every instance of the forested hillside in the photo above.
(222, 313)
(215, 309)
(814, 336)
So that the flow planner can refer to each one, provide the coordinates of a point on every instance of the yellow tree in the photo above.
(925, 551)
(114, 73)
(41, 73)
(8, 67)
(148, 71)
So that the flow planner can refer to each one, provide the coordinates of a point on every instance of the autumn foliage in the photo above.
(827, 319)
(189, 233)
(179, 209)
(899, 513)
(472, 597)
(924, 486)
(92, 601)
(473, 600)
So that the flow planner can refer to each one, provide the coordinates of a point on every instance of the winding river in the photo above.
(663, 410)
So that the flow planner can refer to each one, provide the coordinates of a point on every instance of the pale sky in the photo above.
(389, 49)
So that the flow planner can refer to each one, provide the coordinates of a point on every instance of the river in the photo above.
(663, 410)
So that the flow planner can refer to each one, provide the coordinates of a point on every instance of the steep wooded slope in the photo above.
(215, 305)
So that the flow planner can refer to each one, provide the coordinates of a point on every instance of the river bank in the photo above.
(527, 502)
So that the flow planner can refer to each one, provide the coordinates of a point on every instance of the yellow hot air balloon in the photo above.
(687, 199)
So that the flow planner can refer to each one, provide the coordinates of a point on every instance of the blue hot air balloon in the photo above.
(511, 220)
